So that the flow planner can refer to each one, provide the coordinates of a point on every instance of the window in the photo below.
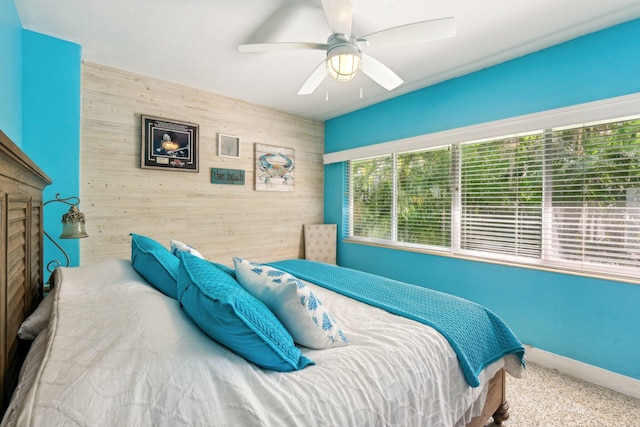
(594, 189)
(565, 197)
(372, 198)
(501, 196)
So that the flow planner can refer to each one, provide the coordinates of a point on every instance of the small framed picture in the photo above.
(228, 145)
(169, 144)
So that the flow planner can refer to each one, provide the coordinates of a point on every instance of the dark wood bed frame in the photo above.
(21, 185)
(21, 264)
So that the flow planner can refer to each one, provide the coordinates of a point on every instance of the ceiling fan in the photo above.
(345, 51)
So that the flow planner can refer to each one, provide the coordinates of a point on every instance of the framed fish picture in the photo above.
(169, 144)
(275, 168)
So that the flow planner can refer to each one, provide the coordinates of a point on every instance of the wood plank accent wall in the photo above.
(221, 221)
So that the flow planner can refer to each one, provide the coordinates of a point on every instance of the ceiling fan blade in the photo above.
(314, 79)
(271, 27)
(413, 33)
(280, 46)
(380, 73)
(338, 13)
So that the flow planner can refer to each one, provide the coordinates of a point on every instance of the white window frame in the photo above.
(610, 109)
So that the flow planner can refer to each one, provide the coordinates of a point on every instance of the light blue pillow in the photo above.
(233, 317)
(155, 263)
(293, 303)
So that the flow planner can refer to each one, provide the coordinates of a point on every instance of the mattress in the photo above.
(118, 352)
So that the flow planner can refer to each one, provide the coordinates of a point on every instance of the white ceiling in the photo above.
(194, 42)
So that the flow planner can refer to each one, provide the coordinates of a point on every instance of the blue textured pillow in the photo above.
(177, 247)
(230, 271)
(155, 263)
(233, 317)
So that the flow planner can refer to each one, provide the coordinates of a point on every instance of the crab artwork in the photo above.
(274, 169)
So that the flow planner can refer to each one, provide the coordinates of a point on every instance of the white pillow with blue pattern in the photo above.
(177, 246)
(293, 303)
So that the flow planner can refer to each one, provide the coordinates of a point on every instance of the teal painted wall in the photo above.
(51, 74)
(590, 320)
(40, 111)
(10, 71)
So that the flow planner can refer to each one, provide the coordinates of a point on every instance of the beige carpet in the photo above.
(546, 397)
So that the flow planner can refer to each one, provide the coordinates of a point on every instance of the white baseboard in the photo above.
(593, 374)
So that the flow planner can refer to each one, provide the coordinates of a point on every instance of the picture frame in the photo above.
(169, 144)
(274, 168)
(228, 146)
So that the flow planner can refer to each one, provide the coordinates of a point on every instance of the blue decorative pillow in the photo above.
(293, 302)
(233, 317)
(230, 271)
(155, 263)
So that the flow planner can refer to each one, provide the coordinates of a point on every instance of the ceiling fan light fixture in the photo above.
(343, 62)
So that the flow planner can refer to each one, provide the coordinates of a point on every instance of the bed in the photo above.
(134, 342)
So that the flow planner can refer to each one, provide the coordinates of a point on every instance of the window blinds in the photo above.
(566, 197)
(595, 196)
(371, 198)
(501, 196)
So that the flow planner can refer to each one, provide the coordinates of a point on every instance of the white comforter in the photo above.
(119, 353)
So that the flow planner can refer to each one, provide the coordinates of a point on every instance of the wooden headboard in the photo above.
(21, 274)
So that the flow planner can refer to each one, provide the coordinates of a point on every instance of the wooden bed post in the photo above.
(495, 405)
(502, 413)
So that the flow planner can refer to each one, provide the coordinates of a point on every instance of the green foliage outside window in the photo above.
(569, 194)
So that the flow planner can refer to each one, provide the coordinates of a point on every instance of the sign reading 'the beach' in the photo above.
(227, 176)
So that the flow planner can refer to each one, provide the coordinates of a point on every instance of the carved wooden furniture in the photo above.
(496, 405)
(21, 185)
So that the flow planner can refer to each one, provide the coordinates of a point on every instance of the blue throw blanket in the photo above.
(477, 335)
